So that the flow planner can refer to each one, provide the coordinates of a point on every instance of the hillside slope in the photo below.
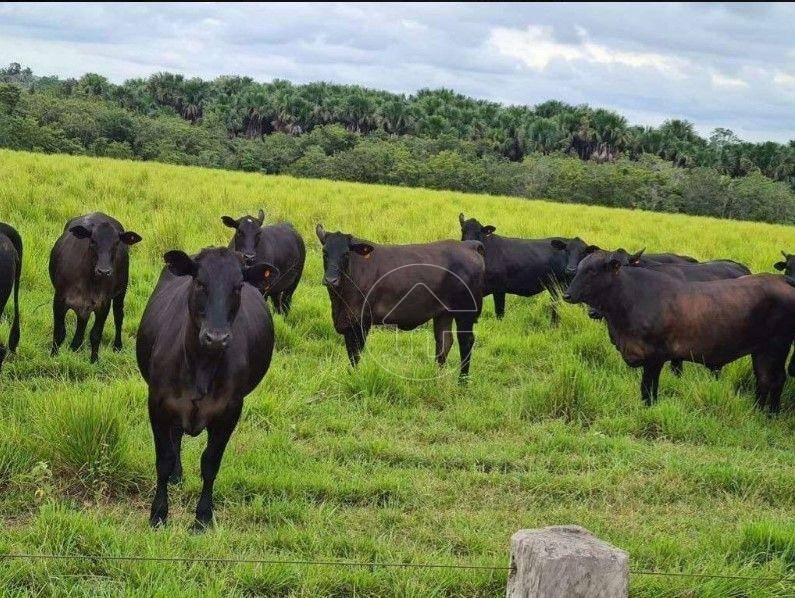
(329, 463)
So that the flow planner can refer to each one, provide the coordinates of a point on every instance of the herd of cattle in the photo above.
(206, 337)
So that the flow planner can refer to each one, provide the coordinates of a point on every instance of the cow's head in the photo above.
(103, 243)
(337, 248)
(788, 265)
(595, 274)
(218, 276)
(472, 230)
(575, 250)
(247, 232)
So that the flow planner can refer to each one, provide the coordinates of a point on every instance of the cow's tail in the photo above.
(16, 241)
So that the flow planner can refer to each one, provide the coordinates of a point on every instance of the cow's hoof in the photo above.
(157, 521)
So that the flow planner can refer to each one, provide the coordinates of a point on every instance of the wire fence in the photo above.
(372, 565)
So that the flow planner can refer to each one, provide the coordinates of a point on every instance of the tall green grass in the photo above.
(332, 463)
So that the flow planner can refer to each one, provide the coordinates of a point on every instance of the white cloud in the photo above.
(719, 80)
(783, 79)
(536, 47)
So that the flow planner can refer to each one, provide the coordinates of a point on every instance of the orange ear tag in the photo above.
(267, 273)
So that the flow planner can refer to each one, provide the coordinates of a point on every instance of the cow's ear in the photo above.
(780, 265)
(321, 233)
(558, 244)
(461, 219)
(229, 221)
(80, 231)
(179, 263)
(488, 230)
(261, 275)
(634, 259)
(363, 249)
(261, 217)
(129, 237)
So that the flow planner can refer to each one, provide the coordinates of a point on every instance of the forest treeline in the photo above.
(435, 138)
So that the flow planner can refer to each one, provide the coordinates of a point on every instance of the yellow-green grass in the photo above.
(330, 463)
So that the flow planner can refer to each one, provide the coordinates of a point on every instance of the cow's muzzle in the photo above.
(215, 340)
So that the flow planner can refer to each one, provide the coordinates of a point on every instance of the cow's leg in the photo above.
(217, 438)
(287, 298)
(2, 353)
(59, 324)
(715, 371)
(96, 330)
(165, 457)
(762, 384)
(650, 381)
(80, 331)
(676, 367)
(771, 374)
(118, 319)
(277, 304)
(176, 439)
(443, 334)
(499, 305)
(464, 327)
(791, 369)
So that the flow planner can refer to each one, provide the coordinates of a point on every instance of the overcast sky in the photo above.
(730, 65)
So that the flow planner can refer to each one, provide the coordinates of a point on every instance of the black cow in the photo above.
(10, 272)
(788, 265)
(575, 250)
(523, 267)
(205, 342)
(277, 244)
(788, 268)
(685, 271)
(653, 318)
(404, 286)
(89, 268)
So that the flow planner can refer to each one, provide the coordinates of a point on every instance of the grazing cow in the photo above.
(277, 244)
(404, 286)
(10, 271)
(523, 267)
(575, 250)
(653, 318)
(89, 268)
(685, 271)
(204, 343)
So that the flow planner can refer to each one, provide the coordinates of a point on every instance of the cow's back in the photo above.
(407, 285)
(522, 266)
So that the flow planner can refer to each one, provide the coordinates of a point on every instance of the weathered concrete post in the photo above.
(566, 561)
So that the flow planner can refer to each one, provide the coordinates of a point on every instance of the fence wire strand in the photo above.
(365, 564)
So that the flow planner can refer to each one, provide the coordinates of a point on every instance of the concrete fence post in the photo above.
(566, 561)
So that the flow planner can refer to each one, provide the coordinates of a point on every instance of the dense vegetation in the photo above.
(434, 138)
(332, 463)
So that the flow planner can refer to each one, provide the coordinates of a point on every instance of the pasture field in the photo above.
(329, 463)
